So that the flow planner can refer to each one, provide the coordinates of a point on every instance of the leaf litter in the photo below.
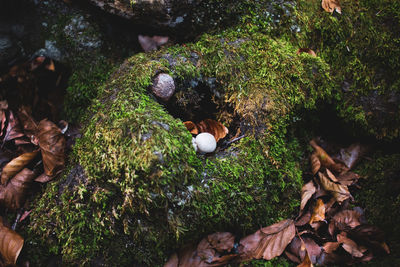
(31, 152)
(325, 232)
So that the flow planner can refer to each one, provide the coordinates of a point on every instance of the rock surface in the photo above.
(163, 86)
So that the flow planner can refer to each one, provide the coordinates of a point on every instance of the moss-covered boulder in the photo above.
(138, 190)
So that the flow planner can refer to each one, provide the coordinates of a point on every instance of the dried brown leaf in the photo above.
(13, 128)
(318, 212)
(371, 237)
(10, 244)
(339, 192)
(306, 193)
(306, 262)
(268, 242)
(350, 246)
(213, 127)
(173, 261)
(14, 194)
(16, 165)
(191, 126)
(330, 247)
(331, 5)
(52, 146)
(346, 219)
(325, 160)
(351, 155)
(315, 163)
(348, 178)
(29, 125)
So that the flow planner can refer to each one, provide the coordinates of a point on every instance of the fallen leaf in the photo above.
(315, 163)
(10, 244)
(29, 125)
(306, 262)
(330, 247)
(217, 129)
(52, 146)
(306, 50)
(339, 192)
(151, 43)
(331, 5)
(300, 246)
(14, 194)
(348, 178)
(268, 242)
(50, 66)
(216, 247)
(343, 220)
(325, 160)
(331, 176)
(43, 178)
(306, 193)
(16, 165)
(371, 237)
(191, 126)
(13, 128)
(318, 212)
(351, 155)
(350, 246)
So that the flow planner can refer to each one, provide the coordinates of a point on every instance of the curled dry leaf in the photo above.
(315, 163)
(52, 146)
(306, 193)
(306, 262)
(191, 126)
(346, 219)
(213, 127)
(28, 123)
(351, 155)
(151, 43)
(13, 128)
(306, 50)
(216, 247)
(339, 192)
(348, 178)
(10, 244)
(350, 246)
(330, 247)
(318, 214)
(300, 246)
(16, 165)
(325, 160)
(331, 5)
(268, 242)
(13, 195)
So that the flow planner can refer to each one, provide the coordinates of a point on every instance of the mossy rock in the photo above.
(138, 190)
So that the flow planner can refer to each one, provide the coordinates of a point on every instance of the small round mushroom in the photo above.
(206, 142)
(163, 86)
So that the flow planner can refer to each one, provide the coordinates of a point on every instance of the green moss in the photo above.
(361, 45)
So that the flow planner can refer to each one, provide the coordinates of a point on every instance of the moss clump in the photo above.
(361, 45)
(142, 191)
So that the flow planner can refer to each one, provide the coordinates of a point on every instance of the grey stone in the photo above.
(163, 86)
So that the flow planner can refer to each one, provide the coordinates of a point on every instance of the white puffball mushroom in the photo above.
(206, 142)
